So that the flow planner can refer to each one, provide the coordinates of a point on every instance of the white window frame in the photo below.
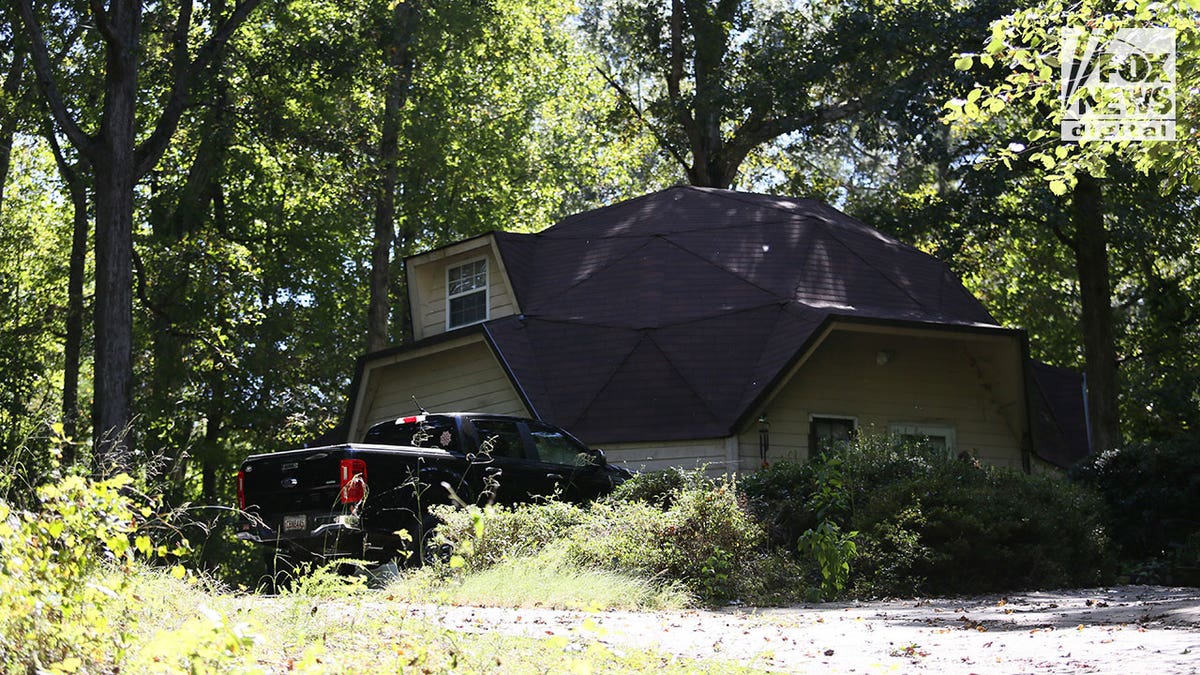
(486, 290)
(928, 430)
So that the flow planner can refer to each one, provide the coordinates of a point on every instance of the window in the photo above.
(554, 447)
(467, 294)
(433, 431)
(499, 438)
(932, 436)
(826, 432)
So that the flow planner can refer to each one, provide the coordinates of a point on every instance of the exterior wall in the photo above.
(459, 376)
(427, 284)
(971, 383)
(712, 453)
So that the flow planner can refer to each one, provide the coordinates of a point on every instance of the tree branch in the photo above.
(102, 21)
(658, 137)
(149, 152)
(675, 77)
(49, 87)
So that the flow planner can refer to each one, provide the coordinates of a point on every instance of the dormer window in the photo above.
(467, 294)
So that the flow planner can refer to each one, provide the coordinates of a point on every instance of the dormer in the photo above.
(457, 286)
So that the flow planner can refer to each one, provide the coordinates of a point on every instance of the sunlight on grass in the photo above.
(544, 580)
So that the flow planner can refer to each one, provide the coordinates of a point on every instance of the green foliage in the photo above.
(927, 523)
(703, 538)
(549, 577)
(679, 526)
(832, 550)
(495, 533)
(659, 488)
(1151, 497)
(1026, 48)
(210, 643)
(56, 613)
(827, 544)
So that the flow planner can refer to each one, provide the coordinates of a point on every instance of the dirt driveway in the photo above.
(1127, 630)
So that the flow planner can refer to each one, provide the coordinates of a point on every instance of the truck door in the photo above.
(569, 463)
(503, 460)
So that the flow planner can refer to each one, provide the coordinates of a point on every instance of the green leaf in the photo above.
(1058, 187)
(963, 63)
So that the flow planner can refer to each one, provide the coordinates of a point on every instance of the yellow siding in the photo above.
(660, 456)
(970, 384)
(428, 275)
(464, 377)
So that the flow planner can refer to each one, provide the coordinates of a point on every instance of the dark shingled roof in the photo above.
(667, 317)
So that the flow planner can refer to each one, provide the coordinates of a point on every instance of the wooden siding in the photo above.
(465, 376)
(427, 279)
(969, 383)
(660, 456)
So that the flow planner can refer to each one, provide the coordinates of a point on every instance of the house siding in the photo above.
(928, 380)
(709, 453)
(464, 376)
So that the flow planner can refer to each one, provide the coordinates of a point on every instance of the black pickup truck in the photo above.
(352, 500)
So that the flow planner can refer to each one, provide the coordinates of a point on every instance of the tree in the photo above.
(718, 81)
(118, 161)
(1020, 117)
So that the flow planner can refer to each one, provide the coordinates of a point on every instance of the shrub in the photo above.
(494, 533)
(929, 523)
(962, 529)
(681, 526)
(55, 612)
(703, 537)
(1151, 495)
(660, 487)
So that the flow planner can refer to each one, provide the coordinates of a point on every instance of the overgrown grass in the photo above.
(548, 578)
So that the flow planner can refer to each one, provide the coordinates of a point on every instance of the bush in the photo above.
(484, 536)
(678, 526)
(1151, 495)
(927, 523)
(704, 538)
(962, 529)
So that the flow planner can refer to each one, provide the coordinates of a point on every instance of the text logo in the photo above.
(1119, 88)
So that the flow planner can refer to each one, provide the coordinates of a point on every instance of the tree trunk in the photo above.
(117, 163)
(1091, 259)
(73, 341)
(115, 169)
(397, 52)
(111, 408)
(8, 126)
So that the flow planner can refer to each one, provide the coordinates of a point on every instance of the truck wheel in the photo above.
(429, 550)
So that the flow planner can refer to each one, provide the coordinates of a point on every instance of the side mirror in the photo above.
(601, 460)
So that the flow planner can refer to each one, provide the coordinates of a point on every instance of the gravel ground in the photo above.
(1128, 630)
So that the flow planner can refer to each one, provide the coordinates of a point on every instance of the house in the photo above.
(696, 326)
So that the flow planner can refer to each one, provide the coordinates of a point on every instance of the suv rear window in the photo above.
(434, 431)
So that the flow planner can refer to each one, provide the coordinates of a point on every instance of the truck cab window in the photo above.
(499, 438)
(555, 447)
(433, 431)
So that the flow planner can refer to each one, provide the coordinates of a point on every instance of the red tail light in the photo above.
(241, 487)
(353, 479)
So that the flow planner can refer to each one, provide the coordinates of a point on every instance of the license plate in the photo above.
(296, 522)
